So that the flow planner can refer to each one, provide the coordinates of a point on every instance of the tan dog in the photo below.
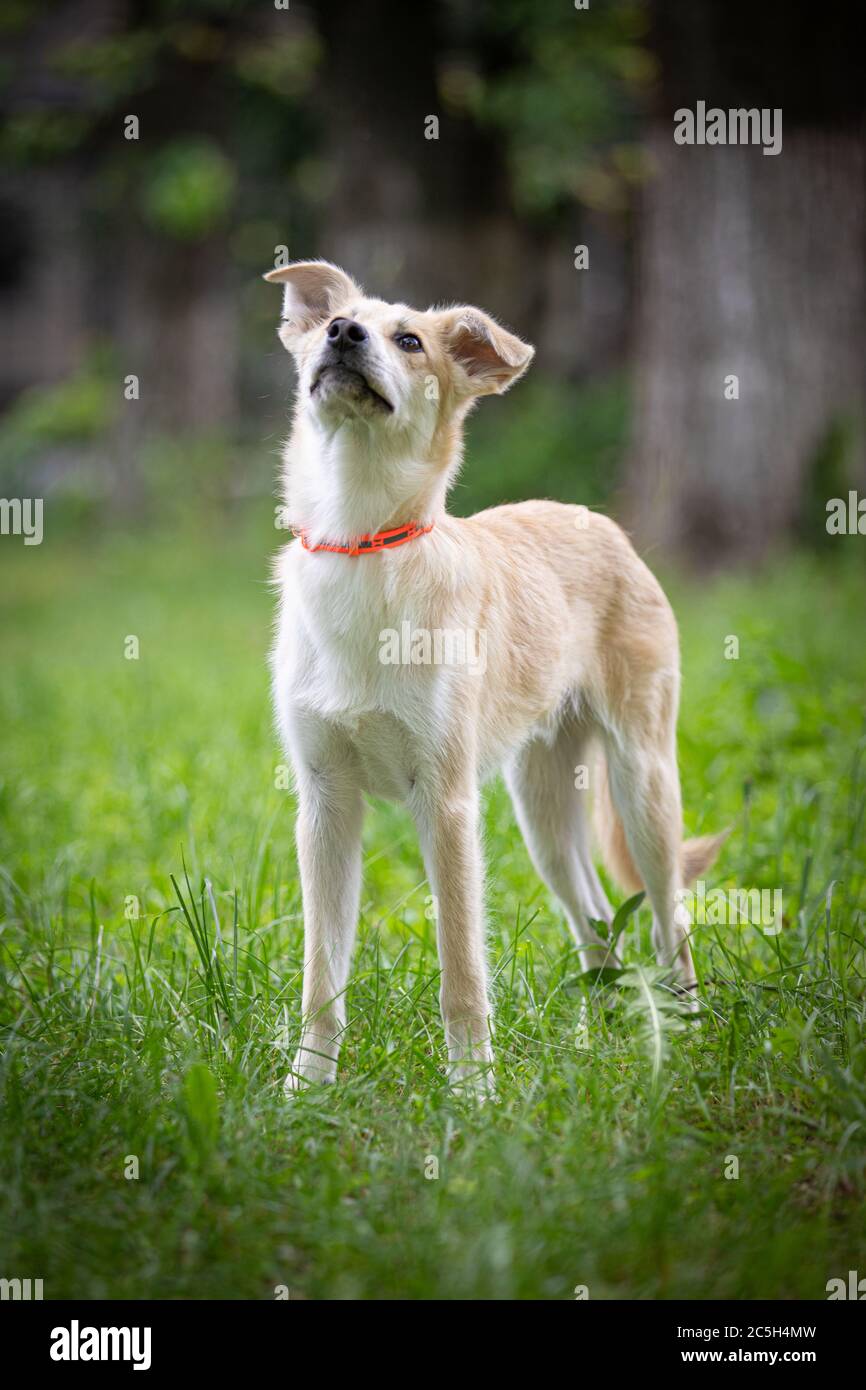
(412, 665)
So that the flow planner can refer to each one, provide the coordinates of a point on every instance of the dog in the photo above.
(580, 671)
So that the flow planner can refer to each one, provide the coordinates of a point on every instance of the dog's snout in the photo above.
(346, 333)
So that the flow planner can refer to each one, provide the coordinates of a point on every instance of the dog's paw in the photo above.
(476, 1091)
(687, 994)
(308, 1069)
(472, 1079)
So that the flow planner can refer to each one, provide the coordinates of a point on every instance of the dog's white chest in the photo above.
(342, 664)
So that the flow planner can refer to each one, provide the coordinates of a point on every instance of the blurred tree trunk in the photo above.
(175, 318)
(749, 266)
(424, 219)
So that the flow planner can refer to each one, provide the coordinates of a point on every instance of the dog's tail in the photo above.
(696, 856)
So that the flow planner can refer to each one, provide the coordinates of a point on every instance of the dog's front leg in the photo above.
(450, 838)
(329, 855)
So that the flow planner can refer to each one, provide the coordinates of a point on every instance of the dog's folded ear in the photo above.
(312, 291)
(489, 358)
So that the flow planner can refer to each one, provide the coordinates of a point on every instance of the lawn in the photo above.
(152, 939)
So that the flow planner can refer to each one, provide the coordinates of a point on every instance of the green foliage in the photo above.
(554, 439)
(110, 68)
(830, 472)
(77, 410)
(16, 14)
(28, 137)
(188, 189)
(166, 1034)
(191, 57)
(200, 1112)
(567, 101)
(656, 1012)
(561, 87)
(212, 467)
(284, 67)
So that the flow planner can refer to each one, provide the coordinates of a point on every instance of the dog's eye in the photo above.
(408, 342)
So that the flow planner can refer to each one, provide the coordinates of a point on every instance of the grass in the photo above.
(157, 1042)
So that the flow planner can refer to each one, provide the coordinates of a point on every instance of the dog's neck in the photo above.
(356, 481)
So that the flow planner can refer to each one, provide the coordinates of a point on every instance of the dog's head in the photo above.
(398, 370)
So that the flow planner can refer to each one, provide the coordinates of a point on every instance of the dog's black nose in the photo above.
(346, 333)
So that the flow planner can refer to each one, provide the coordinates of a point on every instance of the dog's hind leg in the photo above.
(548, 782)
(645, 789)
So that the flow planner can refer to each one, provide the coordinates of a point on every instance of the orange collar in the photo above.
(368, 545)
